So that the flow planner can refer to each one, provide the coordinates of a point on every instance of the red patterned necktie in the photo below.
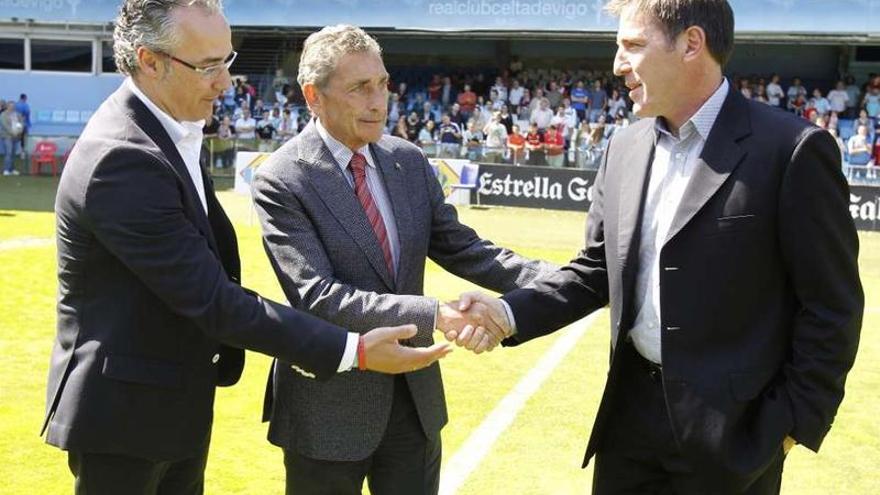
(358, 166)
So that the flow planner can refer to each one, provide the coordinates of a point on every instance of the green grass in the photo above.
(539, 454)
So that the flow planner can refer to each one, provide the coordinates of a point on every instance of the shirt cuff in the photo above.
(510, 320)
(349, 357)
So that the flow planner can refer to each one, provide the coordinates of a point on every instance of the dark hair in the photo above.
(714, 17)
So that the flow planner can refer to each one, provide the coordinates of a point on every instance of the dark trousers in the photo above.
(638, 454)
(405, 463)
(112, 474)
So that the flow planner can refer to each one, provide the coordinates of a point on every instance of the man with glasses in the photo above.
(151, 317)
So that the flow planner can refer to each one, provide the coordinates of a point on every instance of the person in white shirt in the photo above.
(838, 98)
(542, 115)
(775, 94)
(515, 94)
(496, 139)
(246, 126)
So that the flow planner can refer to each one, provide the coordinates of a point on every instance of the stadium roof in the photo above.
(785, 20)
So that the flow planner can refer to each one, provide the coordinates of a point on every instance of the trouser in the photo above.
(638, 453)
(114, 474)
(10, 147)
(405, 463)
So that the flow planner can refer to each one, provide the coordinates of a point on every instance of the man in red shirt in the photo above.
(516, 142)
(534, 146)
(467, 100)
(554, 146)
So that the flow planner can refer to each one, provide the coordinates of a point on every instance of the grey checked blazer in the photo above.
(329, 263)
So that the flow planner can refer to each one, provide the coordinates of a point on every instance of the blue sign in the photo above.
(776, 16)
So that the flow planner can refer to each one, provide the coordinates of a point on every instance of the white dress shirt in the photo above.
(186, 136)
(675, 158)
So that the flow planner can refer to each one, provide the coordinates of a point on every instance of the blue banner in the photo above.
(775, 16)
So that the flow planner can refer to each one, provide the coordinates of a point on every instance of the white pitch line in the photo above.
(26, 242)
(478, 444)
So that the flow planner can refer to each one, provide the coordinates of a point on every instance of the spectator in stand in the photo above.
(456, 116)
(496, 139)
(534, 146)
(11, 127)
(515, 144)
(403, 94)
(872, 102)
(506, 119)
(842, 146)
(229, 102)
(863, 119)
(427, 114)
(258, 110)
(798, 105)
(515, 94)
(473, 141)
(833, 121)
(495, 102)
(246, 125)
(853, 91)
(838, 98)
(467, 100)
(413, 126)
(775, 94)
(554, 147)
(500, 88)
(24, 112)
(266, 131)
(761, 94)
(570, 118)
(242, 97)
(427, 140)
(859, 150)
(598, 101)
(225, 145)
(616, 105)
(401, 129)
(447, 93)
(580, 97)
(287, 127)
(542, 116)
(481, 117)
(435, 87)
(535, 102)
(796, 89)
(820, 103)
(449, 136)
(524, 111)
(394, 110)
(554, 95)
(745, 88)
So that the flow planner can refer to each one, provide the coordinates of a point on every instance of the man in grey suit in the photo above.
(349, 219)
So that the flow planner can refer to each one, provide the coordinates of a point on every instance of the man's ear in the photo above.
(695, 42)
(150, 63)
(312, 96)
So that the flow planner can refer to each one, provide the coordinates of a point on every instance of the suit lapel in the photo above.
(721, 155)
(151, 126)
(394, 177)
(336, 193)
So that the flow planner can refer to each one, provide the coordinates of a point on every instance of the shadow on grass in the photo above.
(23, 193)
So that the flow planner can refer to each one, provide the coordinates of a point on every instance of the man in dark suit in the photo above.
(349, 219)
(719, 233)
(151, 316)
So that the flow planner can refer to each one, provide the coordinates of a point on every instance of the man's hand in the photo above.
(466, 329)
(385, 354)
(488, 312)
(788, 444)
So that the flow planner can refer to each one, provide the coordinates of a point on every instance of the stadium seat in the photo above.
(44, 154)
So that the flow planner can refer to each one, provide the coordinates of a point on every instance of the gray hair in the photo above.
(149, 24)
(323, 50)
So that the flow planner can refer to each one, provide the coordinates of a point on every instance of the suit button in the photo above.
(215, 358)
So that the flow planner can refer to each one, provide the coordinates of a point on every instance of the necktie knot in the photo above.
(358, 165)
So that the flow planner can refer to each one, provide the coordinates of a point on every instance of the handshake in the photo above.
(476, 321)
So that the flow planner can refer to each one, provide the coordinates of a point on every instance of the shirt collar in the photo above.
(341, 153)
(703, 120)
(177, 131)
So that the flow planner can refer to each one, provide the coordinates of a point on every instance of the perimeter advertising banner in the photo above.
(864, 206)
(536, 187)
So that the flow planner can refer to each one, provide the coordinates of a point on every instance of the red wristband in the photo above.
(362, 354)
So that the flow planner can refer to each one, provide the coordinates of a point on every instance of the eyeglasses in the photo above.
(210, 71)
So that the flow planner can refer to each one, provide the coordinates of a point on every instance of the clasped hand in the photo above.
(476, 321)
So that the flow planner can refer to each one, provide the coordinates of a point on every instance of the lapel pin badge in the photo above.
(397, 165)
